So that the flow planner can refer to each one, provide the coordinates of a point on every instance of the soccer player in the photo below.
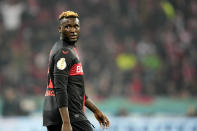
(65, 96)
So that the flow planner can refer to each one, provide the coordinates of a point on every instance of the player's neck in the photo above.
(68, 42)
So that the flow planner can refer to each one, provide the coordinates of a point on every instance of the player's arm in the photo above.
(66, 126)
(61, 69)
(102, 118)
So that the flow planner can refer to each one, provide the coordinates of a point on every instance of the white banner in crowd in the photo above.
(117, 124)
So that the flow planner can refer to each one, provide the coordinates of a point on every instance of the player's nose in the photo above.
(72, 29)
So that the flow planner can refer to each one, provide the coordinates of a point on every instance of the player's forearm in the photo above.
(91, 106)
(64, 115)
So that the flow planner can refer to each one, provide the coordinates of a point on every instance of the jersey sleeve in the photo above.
(62, 64)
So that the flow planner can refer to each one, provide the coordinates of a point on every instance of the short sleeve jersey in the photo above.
(65, 87)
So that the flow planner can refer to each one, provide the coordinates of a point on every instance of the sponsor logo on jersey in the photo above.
(50, 85)
(64, 52)
(76, 69)
(76, 115)
(61, 64)
(49, 93)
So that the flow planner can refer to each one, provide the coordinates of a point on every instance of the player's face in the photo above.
(70, 29)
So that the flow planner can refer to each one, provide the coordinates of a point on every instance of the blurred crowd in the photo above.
(127, 47)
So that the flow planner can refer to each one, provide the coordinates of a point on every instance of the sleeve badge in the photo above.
(61, 64)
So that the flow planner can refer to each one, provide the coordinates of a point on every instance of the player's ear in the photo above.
(59, 29)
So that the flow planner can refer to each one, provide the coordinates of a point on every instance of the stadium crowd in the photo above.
(127, 47)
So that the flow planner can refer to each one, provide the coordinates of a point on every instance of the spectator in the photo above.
(11, 105)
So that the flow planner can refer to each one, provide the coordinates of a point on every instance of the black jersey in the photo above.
(65, 85)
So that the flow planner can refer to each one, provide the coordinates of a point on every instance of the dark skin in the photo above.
(102, 118)
(69, 29)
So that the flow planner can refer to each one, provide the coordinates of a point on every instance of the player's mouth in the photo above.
(73, 36)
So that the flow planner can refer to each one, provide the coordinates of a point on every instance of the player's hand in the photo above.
(66, 127)
(102, 118)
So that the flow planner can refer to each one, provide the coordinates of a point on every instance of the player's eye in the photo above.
(67, 26)
(76, 26)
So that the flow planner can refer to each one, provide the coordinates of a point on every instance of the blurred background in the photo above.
(139, 59)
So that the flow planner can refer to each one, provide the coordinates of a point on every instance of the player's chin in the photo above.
(73, 39)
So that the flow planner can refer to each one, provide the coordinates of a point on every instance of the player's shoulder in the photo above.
(56, 47)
